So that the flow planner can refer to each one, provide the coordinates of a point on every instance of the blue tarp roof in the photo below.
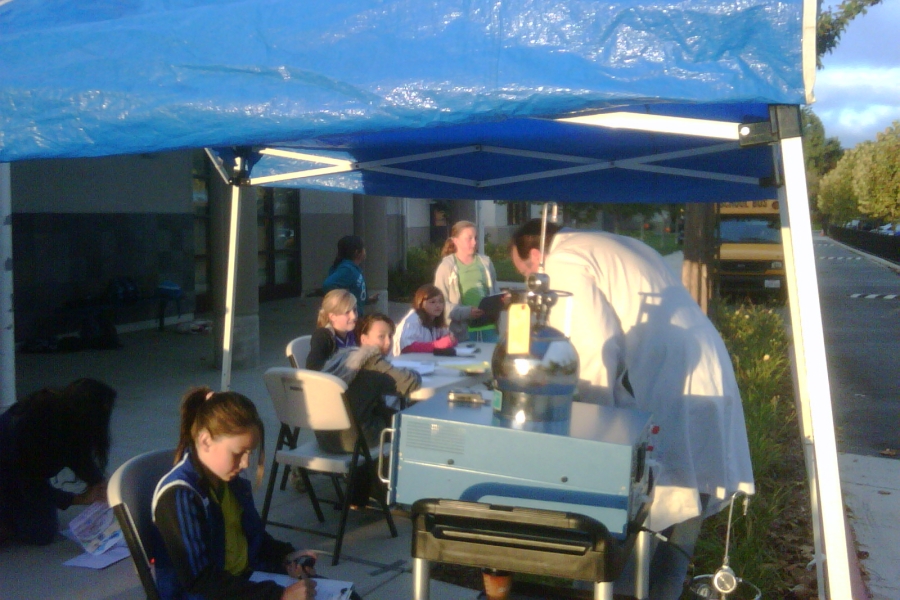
(367, 79)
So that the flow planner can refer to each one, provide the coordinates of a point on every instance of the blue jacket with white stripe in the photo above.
(190, 551)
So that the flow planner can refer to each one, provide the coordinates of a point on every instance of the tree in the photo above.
(837, 197)
(832, 23)
(876, 176)
(821, 154)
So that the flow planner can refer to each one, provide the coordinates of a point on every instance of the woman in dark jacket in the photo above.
(40, 436)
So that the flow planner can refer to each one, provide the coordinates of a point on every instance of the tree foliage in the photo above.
(876, 178)
(865, 181)
(820, 153)
(837, 197)
(832, 23)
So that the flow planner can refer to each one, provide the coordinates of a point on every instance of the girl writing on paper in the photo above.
(212, 535)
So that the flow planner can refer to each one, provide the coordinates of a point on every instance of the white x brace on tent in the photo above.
(562, 100)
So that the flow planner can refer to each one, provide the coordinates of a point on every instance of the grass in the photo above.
(771, 544)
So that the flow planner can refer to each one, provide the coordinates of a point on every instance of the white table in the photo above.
(445, 377)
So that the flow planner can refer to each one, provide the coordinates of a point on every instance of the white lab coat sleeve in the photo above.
(593, 328)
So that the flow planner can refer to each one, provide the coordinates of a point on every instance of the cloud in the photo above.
(855, 103)
(859, 84)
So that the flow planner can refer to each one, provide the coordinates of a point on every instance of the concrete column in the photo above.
(370, 223)
(246, 308)
(7, 315)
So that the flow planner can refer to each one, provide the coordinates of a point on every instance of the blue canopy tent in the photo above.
(564, 100)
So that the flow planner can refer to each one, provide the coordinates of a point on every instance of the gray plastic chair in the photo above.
(130, 494)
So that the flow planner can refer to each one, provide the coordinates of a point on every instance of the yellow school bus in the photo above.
(750, 253)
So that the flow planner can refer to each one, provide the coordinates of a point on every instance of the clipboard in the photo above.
(492, 306)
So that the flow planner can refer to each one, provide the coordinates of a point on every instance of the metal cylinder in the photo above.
(536, 389)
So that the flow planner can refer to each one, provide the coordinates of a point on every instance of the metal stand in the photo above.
(421, 579)
(525, 540)
(642, 556)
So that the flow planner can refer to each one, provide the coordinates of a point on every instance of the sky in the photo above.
(858, 90)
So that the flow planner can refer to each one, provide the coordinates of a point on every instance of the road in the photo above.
(861, 323)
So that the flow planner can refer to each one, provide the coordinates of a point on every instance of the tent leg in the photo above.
(801, 401)
(234, 229)
(7, 314)
(809, 345)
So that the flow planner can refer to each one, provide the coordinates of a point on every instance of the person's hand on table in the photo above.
(94, 493)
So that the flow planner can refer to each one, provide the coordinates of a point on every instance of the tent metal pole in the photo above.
(234, 229)
(809, 345)
(7, 314)
(801, 396)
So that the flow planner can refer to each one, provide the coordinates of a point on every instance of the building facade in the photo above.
(82, 226)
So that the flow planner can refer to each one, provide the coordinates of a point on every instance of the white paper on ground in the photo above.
(326, 589)
(96, 528)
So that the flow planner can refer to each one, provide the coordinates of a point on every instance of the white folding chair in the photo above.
(130, 493)
(314, 400)
(297, 350)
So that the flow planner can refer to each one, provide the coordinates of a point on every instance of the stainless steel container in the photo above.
(536, 389)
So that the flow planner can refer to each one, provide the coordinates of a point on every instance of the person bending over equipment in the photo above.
(644, 343)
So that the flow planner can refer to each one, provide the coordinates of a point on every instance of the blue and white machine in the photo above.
(462, 451)
(532, 447)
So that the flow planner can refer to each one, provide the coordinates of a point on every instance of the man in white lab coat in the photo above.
(644, 343)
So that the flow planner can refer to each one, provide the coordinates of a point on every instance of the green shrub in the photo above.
(420, 266)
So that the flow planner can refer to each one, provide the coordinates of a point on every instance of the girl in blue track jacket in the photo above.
(212, 537)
